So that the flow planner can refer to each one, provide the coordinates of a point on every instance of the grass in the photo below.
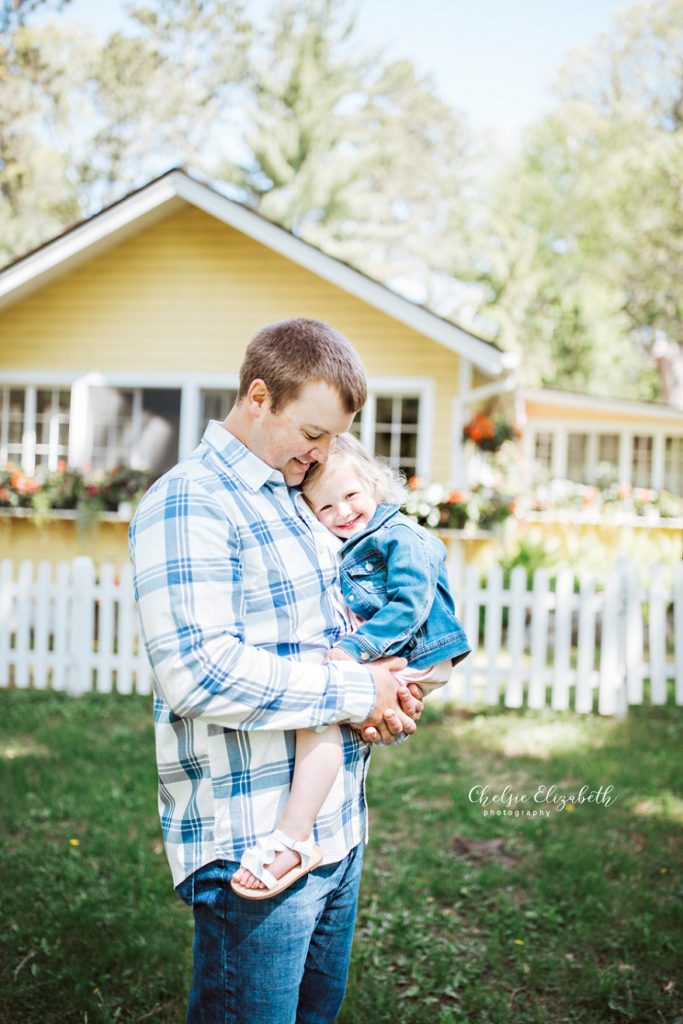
(463, 918)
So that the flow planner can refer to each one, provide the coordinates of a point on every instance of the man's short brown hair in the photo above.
(291, 353)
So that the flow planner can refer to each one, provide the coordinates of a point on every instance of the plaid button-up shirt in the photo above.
(239, 600)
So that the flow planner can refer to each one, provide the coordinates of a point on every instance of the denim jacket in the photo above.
(393, 574)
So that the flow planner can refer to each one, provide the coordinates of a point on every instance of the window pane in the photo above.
(577, 448)
(408, 446)
(410, 408)
(44, 401)
(642, 462)
(157, 444)
(543, 451)
(16, 402)
(384, 411)
(608, 449)
(16, 430)
(673, 465)
(138, 427)
(383, 444)
(215, 404)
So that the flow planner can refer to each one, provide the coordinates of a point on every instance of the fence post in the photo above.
(81, 627)
(612, 695)
(6, 615)
(678, 632)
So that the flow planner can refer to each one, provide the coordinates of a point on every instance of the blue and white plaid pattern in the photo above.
(239, 600)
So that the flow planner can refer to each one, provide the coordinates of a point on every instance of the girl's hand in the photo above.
(411, 701)
(337, 654)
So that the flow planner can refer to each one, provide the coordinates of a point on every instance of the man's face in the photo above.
(299, 433)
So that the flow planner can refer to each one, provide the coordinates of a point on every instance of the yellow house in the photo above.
(122, 337)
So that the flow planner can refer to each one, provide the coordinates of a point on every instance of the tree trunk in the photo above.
(668, 357)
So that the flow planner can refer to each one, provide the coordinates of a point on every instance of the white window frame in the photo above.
(625, 429)
(80, 383)
(422, 388)
(30, 382)
(191, 386)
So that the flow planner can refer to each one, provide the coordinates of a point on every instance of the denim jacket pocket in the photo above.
(370, 574)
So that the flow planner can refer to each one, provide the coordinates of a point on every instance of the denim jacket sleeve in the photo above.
(411, 588)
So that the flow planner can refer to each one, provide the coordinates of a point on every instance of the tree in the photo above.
(15, 12)
(167, 89)
(353, 153)
(597, 193)
(38, 113)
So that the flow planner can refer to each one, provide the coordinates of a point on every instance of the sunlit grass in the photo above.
(464, 918)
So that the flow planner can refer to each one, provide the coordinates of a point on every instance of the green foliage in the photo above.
(583, 255)
(530, 555)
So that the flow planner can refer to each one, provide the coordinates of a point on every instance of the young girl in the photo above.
(394, 581)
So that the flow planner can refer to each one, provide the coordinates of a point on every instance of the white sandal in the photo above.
(256, 858)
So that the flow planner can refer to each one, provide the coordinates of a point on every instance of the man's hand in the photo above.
(411, 703)
(390, 716)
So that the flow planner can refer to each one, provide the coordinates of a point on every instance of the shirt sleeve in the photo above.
(189, 591)
(411, 588)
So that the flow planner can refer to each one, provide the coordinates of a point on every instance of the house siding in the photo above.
(185, 295)
(601, 417)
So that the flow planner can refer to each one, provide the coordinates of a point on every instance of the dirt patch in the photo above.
(484, 850)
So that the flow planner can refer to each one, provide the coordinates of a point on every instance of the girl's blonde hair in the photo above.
(386, 484)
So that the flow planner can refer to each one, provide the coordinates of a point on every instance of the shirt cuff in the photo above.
(358, 685)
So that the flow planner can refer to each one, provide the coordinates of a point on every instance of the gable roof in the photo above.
(175, 188)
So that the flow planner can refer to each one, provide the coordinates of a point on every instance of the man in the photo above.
(238, 595)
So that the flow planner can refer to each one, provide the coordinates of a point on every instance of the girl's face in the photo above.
(341, 499)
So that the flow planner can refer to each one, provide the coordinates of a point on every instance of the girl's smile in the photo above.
(342, 500)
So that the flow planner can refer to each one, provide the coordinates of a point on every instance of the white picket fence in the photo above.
(74, 627)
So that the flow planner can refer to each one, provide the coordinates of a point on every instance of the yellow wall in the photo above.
(586, 547)
(186, 295)
(61, 540)
(599, 417)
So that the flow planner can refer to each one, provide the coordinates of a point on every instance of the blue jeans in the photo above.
(283, 960)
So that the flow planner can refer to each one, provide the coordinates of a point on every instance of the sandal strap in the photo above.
(265, 849)
(304, 847)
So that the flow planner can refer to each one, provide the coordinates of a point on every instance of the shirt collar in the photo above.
(253, 472)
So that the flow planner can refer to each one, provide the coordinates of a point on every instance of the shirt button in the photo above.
(365, 656)
(368, 566)
(351, 598)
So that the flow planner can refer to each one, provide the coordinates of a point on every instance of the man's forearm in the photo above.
(231, 684)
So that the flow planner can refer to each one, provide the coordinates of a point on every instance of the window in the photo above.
(641, 464)
(389, 427)
(34, 426)
(577, 457)
(134, 426)
(543, 451)
(12, 405)
(52, 426)
(673, 465)
(215, 404)
(608, 455)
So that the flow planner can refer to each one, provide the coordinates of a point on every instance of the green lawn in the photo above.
(576, 917)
